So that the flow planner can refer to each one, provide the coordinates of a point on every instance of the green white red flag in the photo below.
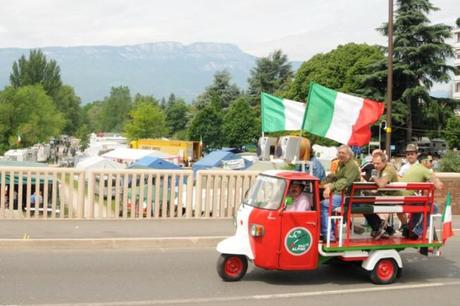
(340, 117)
(447, 220)
(281, 114)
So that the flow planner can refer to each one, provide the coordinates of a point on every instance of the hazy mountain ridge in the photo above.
(151, 69)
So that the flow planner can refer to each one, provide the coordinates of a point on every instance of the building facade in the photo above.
(456, 46)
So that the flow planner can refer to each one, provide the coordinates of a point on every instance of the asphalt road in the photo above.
(188, 277)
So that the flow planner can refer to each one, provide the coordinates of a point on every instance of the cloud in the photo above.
(298, 27)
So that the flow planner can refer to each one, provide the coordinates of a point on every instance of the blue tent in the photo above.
(214, 159)
(150, 162)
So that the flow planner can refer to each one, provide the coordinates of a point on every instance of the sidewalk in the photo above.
(113, 233)
(79, 234)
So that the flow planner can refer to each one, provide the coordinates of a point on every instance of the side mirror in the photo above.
(288, 201)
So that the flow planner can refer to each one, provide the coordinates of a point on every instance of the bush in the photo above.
(451, 162)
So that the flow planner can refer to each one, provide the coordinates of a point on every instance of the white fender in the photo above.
(235, 245)
(239, 243)
(375, 256)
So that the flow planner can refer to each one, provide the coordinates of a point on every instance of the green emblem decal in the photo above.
(298, 241)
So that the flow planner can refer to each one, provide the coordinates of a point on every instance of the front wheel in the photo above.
(232, 268)
(385, 271)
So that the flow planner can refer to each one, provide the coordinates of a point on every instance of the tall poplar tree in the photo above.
(34, 70)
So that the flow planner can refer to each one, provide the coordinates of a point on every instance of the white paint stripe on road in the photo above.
(261, 297)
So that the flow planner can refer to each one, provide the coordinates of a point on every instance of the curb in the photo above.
(111, 243)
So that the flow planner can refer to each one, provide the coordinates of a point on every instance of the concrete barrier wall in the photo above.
(451, 184)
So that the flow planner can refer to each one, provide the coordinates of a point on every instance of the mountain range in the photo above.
(157, 69)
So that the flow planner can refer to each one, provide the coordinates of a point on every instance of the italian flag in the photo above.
(340, 117)
(281, 114)
(447, 220)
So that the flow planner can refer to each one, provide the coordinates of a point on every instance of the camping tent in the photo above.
(150, 162)
(129, 156)
(97, 162)
(11, 163)
(216, 158)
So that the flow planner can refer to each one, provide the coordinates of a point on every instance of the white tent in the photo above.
(129, 156)
(97, 162)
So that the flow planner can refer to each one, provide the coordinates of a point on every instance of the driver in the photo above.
(300, 199)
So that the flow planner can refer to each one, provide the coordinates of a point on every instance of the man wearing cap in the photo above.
(300, 199)
(420, 173)
(411, 158)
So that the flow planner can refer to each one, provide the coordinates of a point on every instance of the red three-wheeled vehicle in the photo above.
(276, 238)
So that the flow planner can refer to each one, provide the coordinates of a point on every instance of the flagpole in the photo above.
(389, 78)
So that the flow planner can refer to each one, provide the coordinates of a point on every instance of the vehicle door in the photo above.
(264, 221)
(300, 234)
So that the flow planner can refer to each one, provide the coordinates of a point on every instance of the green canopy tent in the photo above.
(23, 164)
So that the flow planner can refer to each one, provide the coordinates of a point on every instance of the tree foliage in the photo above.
(147, 120)
(221, 92)
(240, 124)
(452, 132)
(115, 109)
(177, 118)
(206, 126)
(36, 69)
(27, 113)
(69, 106)
(138, 98)
(342, 69)
(271, 74)
(419, 59)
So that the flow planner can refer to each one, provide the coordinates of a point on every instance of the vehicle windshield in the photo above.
(267, 193)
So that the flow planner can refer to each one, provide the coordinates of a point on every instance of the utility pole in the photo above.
(389, 78)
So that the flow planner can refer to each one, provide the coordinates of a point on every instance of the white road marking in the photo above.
(261, 297)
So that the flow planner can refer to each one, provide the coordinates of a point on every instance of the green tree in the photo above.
(452, 132)
(206, 126)
(69, 105)
(220, 91)
(27, 113)
(176, 116)
(419, 59)
(91, 115)
(342, 69)
(436, 112)
(115, 109)
(36, 69)
(271, 75)
(240, 124)
(140, 98)
(147, 120)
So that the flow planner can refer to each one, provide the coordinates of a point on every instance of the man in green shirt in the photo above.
(386, 173)
(347, 173)
(419, 173)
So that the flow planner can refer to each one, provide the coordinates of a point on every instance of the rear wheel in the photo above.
(385, 271)
(232, 268)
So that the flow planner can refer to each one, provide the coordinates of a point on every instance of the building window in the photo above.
(457, 87)
(458, 37)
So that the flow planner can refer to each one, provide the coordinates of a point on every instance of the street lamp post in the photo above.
(389, 78)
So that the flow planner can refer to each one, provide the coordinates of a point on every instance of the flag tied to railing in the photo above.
(447, 220)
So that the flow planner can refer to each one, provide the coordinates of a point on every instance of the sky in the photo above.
(301, 28)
